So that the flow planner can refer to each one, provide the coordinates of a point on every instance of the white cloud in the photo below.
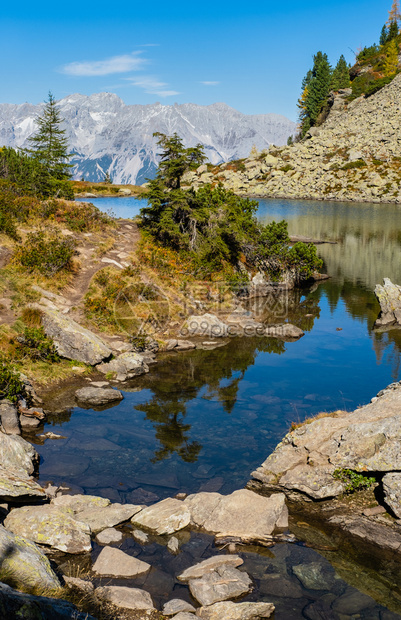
(210, 83)
(153, 86)
(115, 64)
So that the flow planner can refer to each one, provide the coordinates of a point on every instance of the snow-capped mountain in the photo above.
(105, 135)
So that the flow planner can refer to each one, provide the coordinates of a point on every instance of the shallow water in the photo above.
(203, 420)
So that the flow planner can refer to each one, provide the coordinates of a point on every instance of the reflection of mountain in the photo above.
(179, 380)
(368, 235)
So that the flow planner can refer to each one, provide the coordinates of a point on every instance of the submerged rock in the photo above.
(73, 341)
(165, 517)
(95, 396)
(236, 611)
(24, 563)
(113, 562)
(243, 513)
(48, 525)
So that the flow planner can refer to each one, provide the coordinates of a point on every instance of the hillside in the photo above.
(355, 155)
(106, 135)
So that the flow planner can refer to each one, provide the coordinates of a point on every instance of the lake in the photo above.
(203, 420)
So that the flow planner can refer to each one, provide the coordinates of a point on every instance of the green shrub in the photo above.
(47, 253)
(376, 85)
(353, 480)
(35, 344)
(11, 385)
(359, 163)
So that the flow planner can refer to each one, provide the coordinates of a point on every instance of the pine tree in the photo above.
(340, 77)
(394, 15)
(391, 63)
(316, 87)
(383, 36)
(49, 143)
(107, 178)
(392, 31)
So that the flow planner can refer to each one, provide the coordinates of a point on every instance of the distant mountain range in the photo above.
(106, 135)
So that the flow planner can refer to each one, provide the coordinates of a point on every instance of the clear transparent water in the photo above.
(203, 420)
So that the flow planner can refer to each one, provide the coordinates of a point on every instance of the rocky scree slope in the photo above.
(105, 135)
(355, 155)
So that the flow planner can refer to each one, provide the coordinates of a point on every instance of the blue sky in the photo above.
(251, 55)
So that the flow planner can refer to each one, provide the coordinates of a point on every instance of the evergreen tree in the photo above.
(107, 179)
(49, 143)
(340, 77)
(391, 63)
(175, 160)
(392, 31)
(383, 36)
(316, 87)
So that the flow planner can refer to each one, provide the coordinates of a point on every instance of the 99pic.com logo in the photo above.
(141, 308)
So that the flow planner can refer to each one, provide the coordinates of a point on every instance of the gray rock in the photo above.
(17, 454)
(180, 345)
(24, 563)
(392, 492)
(126, 598)
(9, 418)
(125, 366)
(389, 298)
(184, 615)
(15, 604)
(18, 485)
(205, 325)
(165, 517)
(209, 565)
(243, 513)
(175, 606)
(113, 562)
(48, 525)
(236, 611)
(79, 584)
(284, 331)
(29, 422)
(109, 535)
(97, 396)
(314, 576)
(352, 602)
(224, 583)
(79, 503)
(99, 519)
(73, 341)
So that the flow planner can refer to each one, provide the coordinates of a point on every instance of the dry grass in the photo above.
(318, 416)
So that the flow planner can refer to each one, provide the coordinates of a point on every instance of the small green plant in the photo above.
(353, 480)
(47, 253)
(287, 168)
(35, 344)
(11, 386)
(351, 165)
(140, 342)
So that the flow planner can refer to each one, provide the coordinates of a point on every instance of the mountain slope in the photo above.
(107, 135)
(354, 155)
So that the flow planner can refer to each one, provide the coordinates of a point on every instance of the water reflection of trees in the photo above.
(179, 379)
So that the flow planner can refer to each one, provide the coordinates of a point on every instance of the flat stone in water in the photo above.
(109, 535)
(175, 606)
(314, 576)
(209, 565)
(236, 611)
(224, 583)
(113, 562)
(165, 517)
(99, 519)
(95, 396)
(127, 598)
(80, 502)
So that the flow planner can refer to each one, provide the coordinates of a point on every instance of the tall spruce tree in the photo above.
(340, 77)
(392, 31)
(383, 35)
(316, 87)
(49, 143)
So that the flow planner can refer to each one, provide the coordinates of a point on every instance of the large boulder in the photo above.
(16, 454)
(73, 341)
(126, 598)
(9, 418)
(366, 440)
(389, 298)
(48, 525)
(23, 563)
(205, 325)
(18, 486)
(15, 604)
(243, 513)
(166, 517)
(125, 366)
